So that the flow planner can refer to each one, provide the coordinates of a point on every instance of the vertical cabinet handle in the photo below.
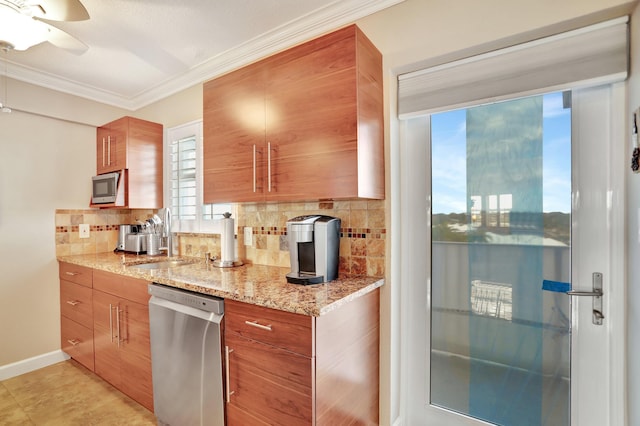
(254, 167)
(109, 151)
(227, 351)
(111, 321)
(118, 324)
(269, 164)
(103, 151)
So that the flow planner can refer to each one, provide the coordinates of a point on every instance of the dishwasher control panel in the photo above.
(188, 298)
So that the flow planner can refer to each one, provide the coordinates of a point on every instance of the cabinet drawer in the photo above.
(76, 303)
(76, 274)
(122, 286)
(273, 363)
(257, 387)
(286, 330)
(77, 341)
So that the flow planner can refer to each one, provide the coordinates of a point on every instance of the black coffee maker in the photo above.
(314, 246)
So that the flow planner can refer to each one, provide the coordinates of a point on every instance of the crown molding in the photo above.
(329, 18)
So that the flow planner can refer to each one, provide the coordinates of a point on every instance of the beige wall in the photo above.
(61, 154)
(43, 165)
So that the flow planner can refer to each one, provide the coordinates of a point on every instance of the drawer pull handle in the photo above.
(260, 326)
(74, 342)
(73, 274)
(73, 302)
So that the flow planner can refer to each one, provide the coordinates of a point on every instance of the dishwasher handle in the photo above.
(187, 310)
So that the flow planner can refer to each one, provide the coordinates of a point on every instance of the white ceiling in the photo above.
(141, 51)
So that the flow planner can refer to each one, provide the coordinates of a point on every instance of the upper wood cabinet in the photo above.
(304, 124)
(111, 146)
(132, 147)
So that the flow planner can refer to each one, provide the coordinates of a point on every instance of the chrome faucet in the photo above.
(167, 231)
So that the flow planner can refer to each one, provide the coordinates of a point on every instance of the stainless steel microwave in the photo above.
(105, 188)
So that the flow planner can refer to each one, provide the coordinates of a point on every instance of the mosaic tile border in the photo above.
(92, 228)
(371, 233)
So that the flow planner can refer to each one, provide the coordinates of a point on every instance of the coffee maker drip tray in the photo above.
(304, 279)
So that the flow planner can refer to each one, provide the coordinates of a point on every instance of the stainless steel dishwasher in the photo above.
(186, 357)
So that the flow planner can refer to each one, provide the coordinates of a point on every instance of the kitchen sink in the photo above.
(162, 264)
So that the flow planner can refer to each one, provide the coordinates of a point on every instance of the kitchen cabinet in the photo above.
(132, 147)
(111, 147)
(76, 313)
(286, 368)
(121, 334)
(303, 124)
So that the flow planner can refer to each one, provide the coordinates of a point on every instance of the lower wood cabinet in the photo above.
(76, 313)
(292, 369)
(121, 335)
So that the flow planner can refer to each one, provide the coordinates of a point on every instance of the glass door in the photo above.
(501, 209)
(501, 261)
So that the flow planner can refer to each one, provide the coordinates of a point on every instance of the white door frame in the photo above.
(409, 265)
(612, 412)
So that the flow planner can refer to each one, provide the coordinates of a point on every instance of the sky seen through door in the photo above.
(449, 147)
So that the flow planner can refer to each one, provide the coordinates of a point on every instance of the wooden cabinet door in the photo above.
(117, 150)
(315, 150)
(271, 384)
(102, 161)
(135, 353)
(234, 133)
(111, 146)
(105, 336)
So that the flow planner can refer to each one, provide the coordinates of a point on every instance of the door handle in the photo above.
(118, 323)
(111, 321)
(229, 392)
(254, 167)
(584, 293)
(269, 164)
(597, 295)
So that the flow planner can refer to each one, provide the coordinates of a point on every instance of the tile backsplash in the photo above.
(362, 241)
(103, 229)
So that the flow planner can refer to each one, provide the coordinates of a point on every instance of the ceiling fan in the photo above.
(26, 23)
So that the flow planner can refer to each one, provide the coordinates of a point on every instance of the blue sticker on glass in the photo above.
(558, 286)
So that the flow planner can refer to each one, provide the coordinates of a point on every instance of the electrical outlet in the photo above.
(248, 236)
(83, 230)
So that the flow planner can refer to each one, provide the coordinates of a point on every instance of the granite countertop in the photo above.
(255, 284)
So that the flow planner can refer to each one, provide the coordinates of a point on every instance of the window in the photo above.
(183, 182)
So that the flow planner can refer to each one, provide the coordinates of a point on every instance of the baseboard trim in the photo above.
(30, 364)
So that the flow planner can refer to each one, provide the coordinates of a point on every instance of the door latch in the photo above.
(596, 293)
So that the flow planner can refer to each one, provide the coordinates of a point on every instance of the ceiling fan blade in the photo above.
(61, 10)
(66, 41)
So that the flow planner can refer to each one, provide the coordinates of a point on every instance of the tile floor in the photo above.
(67, 394)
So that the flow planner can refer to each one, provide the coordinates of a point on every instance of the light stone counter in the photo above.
(255, 284)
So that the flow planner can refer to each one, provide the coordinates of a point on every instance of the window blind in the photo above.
(183, 179)
(591, 55)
